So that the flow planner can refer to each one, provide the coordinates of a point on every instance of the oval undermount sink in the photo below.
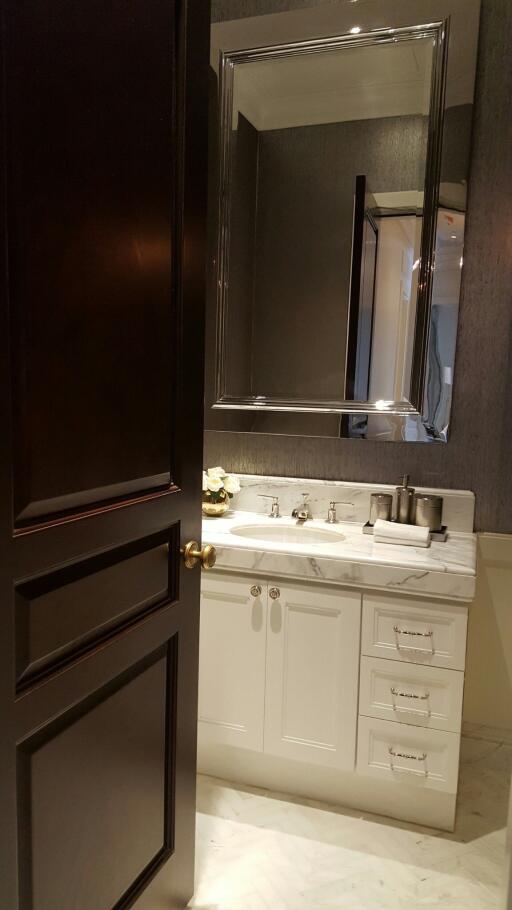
(281, 533)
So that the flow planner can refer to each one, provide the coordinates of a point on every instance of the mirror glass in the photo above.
(328, 163)
(339, 242)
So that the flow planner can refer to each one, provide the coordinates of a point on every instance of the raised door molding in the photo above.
(313, 637)
(408, 755)
(415, 631)
(232, 661)
(411, 694)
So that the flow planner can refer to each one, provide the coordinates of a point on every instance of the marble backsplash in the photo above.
(458, 505)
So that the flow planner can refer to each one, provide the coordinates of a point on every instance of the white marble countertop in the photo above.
(443, 570)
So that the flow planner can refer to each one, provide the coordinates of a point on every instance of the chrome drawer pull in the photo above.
(395, 693)
(409, 757)
(398, 694)
(398, 631)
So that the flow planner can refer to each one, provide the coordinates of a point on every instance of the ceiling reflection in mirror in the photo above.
(339, 234)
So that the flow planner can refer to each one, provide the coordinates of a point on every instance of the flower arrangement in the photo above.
(218, 488)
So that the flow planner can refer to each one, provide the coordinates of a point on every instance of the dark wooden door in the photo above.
(101, 325)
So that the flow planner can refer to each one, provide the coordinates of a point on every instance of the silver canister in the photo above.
(428, 511)
(404, 501)
(381, 506)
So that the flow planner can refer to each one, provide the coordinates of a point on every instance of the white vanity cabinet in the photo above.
(278, 668)
(333, 693)
(332, 666)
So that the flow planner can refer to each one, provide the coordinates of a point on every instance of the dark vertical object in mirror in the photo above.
(362, 300)
(362, 288)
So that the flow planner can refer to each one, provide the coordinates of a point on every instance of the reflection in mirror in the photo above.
(333, 201)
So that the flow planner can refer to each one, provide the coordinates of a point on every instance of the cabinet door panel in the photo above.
(411, 694)
(416, 631)
(312, 674)
(232, 661)
(409, 755)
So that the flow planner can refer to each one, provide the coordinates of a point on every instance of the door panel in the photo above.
(312, 674)
(102, 215)
(95, 786)
(232, 661)
(89, 192)
(107, 591)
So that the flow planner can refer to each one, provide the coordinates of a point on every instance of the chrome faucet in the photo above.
(302, 513)
(274, 510)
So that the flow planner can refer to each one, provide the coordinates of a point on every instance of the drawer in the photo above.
(409, 755)
(411, 694)
(414, 631)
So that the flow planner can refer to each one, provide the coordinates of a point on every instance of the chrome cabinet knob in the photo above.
(274, 593)
(256, 590)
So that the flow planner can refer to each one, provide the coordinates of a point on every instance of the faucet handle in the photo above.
(274, 511)
(331, 512)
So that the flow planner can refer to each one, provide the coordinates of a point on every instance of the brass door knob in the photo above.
(192, 554)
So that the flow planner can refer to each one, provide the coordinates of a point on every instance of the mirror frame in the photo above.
(436, 31)
(230, 40)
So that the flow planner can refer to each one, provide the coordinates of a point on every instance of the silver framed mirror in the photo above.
(380, 361)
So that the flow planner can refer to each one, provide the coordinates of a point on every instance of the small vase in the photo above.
(214, 509)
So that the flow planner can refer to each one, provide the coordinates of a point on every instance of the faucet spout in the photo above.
(302, 513)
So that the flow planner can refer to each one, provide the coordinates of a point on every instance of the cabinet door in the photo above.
(232, 660)
(312, 674)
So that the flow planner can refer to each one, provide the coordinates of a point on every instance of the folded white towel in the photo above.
(405, 535)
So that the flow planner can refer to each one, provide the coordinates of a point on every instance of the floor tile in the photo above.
(258, 850)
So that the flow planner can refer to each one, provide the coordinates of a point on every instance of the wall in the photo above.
(488, 690)
(479, 453)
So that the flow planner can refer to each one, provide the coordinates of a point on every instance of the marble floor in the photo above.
(260, 850)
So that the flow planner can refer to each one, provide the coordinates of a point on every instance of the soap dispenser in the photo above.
(404, 500)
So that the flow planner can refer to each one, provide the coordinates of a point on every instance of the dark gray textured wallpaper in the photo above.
(479, 454)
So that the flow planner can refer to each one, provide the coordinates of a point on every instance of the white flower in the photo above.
(214, 484)
(231, 484)
(205, 481)
(216, 472)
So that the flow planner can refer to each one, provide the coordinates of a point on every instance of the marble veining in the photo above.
(443, 570)
(259, 850)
